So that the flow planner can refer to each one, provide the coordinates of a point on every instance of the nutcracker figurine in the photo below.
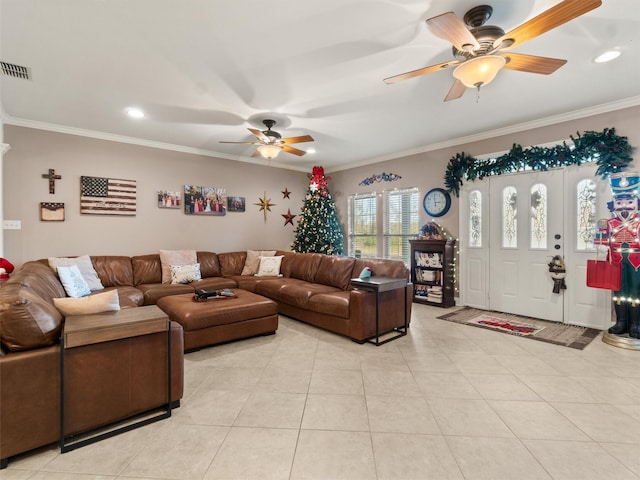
(620, 235)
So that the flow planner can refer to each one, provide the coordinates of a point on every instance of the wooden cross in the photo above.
(52, 179)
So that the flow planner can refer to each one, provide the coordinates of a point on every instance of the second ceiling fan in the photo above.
(270, 143)
(480, 50)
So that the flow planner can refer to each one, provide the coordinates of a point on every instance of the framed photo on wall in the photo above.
(168, 199)
(205, 200)
(51, 212)
(235, 204)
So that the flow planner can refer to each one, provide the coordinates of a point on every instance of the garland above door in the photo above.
(611, 152)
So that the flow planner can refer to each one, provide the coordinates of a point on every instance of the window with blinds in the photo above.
(363, 225)
(400, 222)
(381, 225)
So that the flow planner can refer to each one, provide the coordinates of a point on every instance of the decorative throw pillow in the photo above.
(84, 265)
(73, 282)
(175, 257)
(185, 273)
(269, 266)
(100, 302)
(252, 262)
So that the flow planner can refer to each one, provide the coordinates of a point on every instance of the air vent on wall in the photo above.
(16, 71)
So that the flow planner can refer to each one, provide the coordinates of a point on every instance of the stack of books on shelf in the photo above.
(434, 294)
(420, 290)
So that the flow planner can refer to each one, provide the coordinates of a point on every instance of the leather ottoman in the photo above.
(219, 320)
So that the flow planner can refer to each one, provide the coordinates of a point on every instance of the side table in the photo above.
(379, 285)
(83, 331)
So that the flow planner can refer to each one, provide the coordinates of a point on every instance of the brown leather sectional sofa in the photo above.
(313, 288)
(30, 359)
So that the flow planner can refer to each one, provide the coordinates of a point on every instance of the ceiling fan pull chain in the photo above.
(478, 94)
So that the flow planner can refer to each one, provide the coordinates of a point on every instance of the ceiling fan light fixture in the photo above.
(479, 71)
(269, 151)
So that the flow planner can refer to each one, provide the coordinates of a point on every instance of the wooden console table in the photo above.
(379, 285)
(86, 330)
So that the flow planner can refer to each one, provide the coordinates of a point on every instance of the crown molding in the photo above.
(52, 127)
(543, 122)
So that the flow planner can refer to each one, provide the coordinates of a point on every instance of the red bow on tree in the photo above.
(317, 177)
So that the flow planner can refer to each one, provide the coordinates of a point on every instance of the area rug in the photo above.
(571, 336)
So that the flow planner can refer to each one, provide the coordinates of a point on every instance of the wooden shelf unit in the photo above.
(432, 271)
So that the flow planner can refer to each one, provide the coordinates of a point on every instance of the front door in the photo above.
(526, 231)
(511, 228)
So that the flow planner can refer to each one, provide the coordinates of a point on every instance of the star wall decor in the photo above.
(288, 217)
(286, 193)
(265, 205)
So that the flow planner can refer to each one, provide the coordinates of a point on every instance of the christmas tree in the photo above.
(318, 228)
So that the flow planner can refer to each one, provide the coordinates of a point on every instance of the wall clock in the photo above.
(437, 202)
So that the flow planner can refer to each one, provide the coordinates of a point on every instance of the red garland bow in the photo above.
(319, 178)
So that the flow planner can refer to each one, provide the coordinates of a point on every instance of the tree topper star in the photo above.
(265, 205)
(288, 217)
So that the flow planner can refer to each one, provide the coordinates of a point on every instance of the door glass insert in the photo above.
(586, 218)
(475, 219)
(538, 209)
(509, 218)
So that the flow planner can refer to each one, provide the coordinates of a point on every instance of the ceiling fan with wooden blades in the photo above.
(481, 51)
(270, 143)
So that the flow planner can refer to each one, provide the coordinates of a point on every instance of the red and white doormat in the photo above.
(509, 326)
(571, 336)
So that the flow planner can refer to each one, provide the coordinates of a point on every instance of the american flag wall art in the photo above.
(107, 196)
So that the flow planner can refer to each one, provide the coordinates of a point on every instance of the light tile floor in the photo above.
(445, 402)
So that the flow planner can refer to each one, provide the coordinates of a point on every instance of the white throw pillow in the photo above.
(100, 302)
(252, 262)
(73, 282)
(269, 266)
(185, 273)
(84, 265)
(175, 257)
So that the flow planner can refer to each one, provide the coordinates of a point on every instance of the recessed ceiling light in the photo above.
(607, 56)
(135, 112)
(311, 150)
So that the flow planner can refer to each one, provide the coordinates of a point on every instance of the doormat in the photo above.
(571, 336)
(508, 326)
